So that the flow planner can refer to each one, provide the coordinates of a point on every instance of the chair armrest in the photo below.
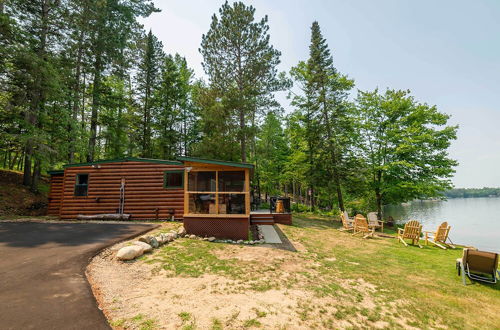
(400, 230)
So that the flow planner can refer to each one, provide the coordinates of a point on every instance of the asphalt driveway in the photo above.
(42, 273)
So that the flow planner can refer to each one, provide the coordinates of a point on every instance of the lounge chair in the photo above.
(374, 222)
(347, 225)
(361, 226)
(478, 266)
(439, 237)
(412, 231)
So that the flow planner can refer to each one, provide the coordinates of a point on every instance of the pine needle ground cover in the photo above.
(334, 280)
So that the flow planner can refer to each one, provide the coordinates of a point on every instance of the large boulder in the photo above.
(160, 239)
(129, 252)
(145, 246)
(153, 242)
(169, 237)
(145, 239)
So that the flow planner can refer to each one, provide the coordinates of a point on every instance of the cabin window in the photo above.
(173, 179)
(216, 192)
(81, 184)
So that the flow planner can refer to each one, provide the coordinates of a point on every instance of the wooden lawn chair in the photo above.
(412, 231)
(374, 222)
(439, 236)
(361, 227)
(478, 266)
(346, 224)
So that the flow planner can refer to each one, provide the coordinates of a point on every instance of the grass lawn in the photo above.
(418, 284)
(335, 280)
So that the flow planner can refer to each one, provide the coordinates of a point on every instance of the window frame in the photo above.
(165, 181)
(77, 179)
(217, 192)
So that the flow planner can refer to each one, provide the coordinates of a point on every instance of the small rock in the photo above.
(240, 241)
(192, 236)
(174, 233)
(205, 238)
(145, 246)
(211, 239)
(169, 237)
(160, 240)
(154, 243)
(129, 252)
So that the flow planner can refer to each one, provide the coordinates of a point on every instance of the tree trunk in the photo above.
(242, 137)
(378, 195)
(95, 107)
(36, 175)
(76, 99)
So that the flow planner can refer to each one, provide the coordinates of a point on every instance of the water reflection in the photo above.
(474, 221)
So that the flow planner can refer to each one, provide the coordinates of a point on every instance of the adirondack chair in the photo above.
(439, 236)
(361, 227)
(346, 224)
(374, 222)
(478, 266)
(412, 231)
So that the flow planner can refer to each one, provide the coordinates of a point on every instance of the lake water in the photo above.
(474, 221)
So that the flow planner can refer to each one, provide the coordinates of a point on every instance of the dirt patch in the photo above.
(276, 289)
(16, 199)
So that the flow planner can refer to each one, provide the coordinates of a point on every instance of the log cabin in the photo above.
(211, 197)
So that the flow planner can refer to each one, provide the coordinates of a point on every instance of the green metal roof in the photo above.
(127, 159)
(216, 162)
(55, 172)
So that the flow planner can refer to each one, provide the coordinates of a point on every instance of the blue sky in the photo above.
(446, 52)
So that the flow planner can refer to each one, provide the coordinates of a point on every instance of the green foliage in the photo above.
(241, 65)
(325, 118)
(404, 147)
(472, 192)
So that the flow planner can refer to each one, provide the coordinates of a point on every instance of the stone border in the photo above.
(147, 243)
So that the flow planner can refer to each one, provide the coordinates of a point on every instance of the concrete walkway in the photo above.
(42, 273)
(270, 234)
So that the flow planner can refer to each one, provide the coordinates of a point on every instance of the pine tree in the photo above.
(148, 80)
(241, 65)
(326, 108)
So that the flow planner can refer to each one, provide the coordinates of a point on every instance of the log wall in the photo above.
(145, 196)
(55, 194)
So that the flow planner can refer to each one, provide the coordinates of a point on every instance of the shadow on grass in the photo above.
(315, 222)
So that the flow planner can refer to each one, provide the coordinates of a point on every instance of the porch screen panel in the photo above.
(217, 192)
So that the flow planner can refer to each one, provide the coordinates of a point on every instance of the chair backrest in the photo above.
(372, 218)
(360, 224)
(480, 261)
(345, 222)
(412, 230)
(442, 232)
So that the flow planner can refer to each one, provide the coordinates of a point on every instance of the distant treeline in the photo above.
(472, 192)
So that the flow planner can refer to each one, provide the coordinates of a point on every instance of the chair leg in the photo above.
(439, 245)
(463, 272)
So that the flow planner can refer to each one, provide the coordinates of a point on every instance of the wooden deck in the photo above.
(264, 217)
